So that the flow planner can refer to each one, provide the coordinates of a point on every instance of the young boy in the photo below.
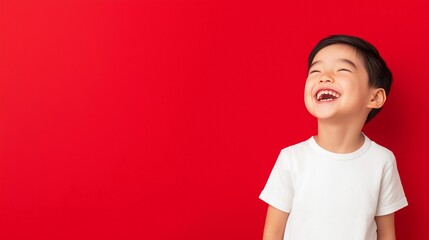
(337, 185)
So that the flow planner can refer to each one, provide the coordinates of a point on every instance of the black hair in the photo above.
(379, 75)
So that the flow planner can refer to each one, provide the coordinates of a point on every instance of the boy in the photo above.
(337, 185)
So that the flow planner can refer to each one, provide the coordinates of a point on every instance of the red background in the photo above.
(162, 119)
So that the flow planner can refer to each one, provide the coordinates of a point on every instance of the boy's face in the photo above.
(337, 85)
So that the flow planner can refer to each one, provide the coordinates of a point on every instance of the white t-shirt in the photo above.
(332, 196)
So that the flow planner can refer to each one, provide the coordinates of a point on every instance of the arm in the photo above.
(385, 227)
(275, 224)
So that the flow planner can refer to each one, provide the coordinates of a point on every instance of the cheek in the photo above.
(308, 94)
(354, 87)
(308, 88)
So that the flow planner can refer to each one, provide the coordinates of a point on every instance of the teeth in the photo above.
(328, 92)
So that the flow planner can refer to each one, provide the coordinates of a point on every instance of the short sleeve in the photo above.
(392, 196)
(278, 191)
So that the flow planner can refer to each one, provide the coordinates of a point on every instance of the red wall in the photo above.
(162, 119)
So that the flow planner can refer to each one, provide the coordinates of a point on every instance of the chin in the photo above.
(322, 115)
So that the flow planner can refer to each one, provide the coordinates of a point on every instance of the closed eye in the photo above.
(344, 70)
(314, 71)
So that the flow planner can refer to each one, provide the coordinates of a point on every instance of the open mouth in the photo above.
(324, 95)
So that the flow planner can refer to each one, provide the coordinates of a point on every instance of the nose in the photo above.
(325, 78)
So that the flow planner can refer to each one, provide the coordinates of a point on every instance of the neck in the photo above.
(337, 138)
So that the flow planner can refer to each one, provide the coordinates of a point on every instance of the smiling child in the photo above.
(337, 185)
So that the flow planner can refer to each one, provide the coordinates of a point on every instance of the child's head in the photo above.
(379, 75)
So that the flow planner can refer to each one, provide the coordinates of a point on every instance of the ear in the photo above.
(378, 98)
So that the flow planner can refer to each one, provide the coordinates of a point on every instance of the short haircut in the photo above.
(379, 75)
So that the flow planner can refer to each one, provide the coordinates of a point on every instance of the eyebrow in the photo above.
(340, 60)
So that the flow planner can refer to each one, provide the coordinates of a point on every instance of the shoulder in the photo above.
(296, 148)
(381, 153)
(295, 152)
